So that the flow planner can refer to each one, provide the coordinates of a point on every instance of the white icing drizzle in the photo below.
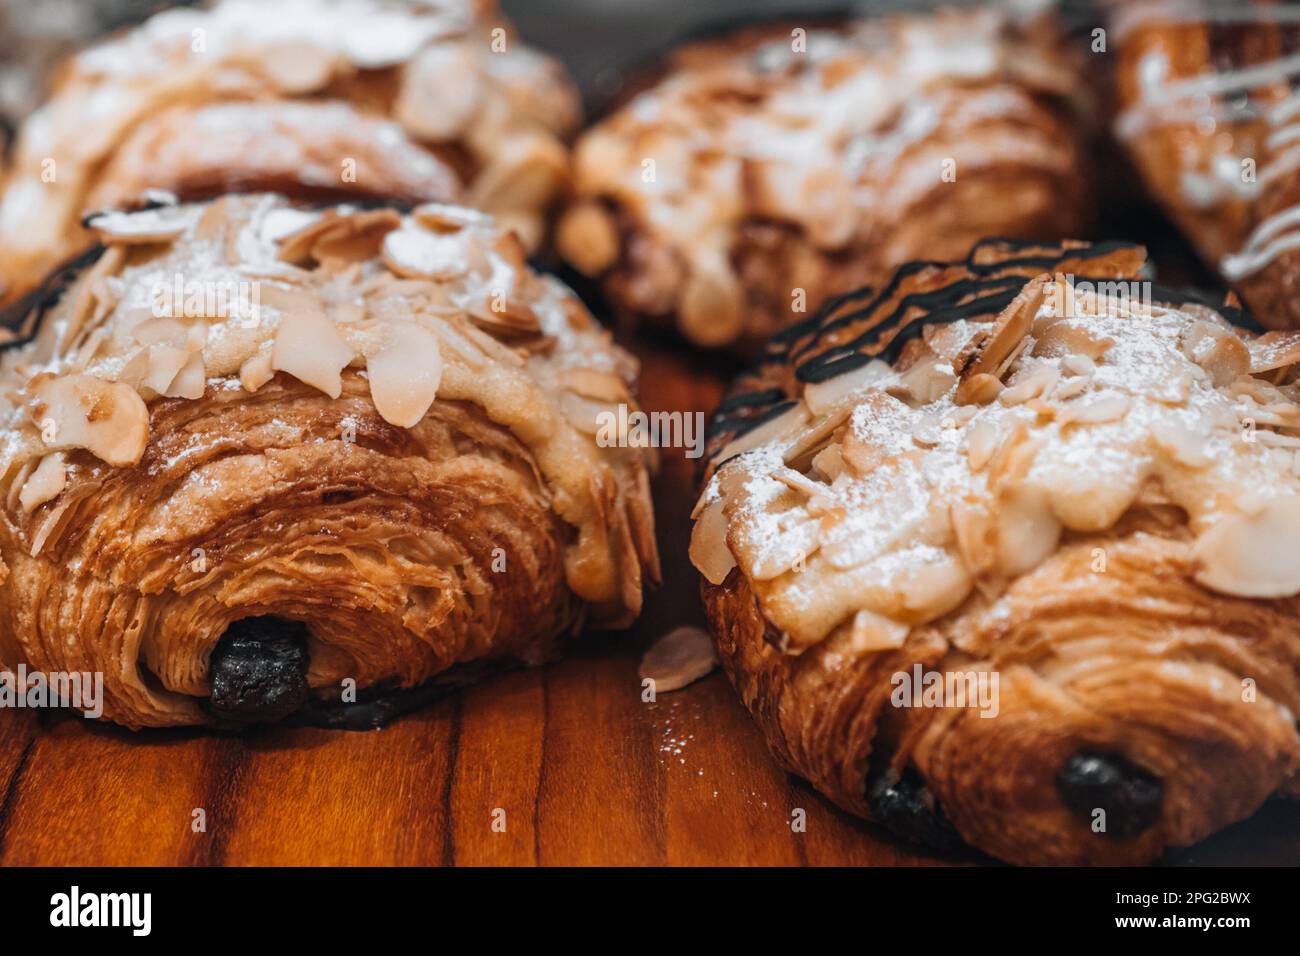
(1191, 100)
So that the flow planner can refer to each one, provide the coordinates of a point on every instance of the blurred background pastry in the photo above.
(409, 101)
(1211, 117)
(769, 167)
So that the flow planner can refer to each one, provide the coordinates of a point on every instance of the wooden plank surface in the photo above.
(578, 767)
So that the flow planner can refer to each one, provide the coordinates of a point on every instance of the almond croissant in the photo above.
(771, 167)
(324, 99)
(1004, 554)
(257, 457)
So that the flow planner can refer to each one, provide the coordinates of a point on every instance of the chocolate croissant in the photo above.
(1003, 555)
(261, 462)
(1211, 118)
(320, 99)
(771, 167)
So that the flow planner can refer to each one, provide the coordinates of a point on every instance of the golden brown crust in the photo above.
(1138, 660)
(326, 99)
(358, 441)
(1126, 626)
(756, 178)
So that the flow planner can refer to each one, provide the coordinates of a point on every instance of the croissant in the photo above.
(262, 462)
(1210, 118)
(323, 99)
(1003, 555)
(773, 166)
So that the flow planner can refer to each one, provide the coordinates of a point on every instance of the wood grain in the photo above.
(578, 767)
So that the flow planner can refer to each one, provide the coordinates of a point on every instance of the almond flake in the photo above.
(1252, 556)
(309, 347)
(45, 483)
(708, 549)
(874, 632)
(417, 253)
(679, 658)
(405, 374)
(108, 419)
(145, 226)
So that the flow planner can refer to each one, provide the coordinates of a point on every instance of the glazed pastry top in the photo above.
(1017, 411)
(806, 128)
(209, 302)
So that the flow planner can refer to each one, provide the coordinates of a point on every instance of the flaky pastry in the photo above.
(771, 167)
(1035, 474)
(411, 100)
(256, 455)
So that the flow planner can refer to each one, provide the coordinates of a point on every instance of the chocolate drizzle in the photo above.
(24, 316)
(863, 324)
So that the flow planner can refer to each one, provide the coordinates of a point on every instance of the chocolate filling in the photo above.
(1130, 796)
(258, 671)
(904, 807)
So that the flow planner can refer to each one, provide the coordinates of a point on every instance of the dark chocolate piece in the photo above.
(258, 671)
(1130, 796)
(904, 807)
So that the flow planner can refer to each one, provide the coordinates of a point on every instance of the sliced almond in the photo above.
(712, 308)
(309, 347)
(108, 419)
(1274, 350)
(1109, 408)
(162, 224)
(165, 363)
(821, 397)
(928, 380)
(444, 217)
(602, 386)
(1071, 337)
(297, 68)
(1252, 556)
(1224, 356)
(1031, 384)
(283, 221)
(680, 657)
(256, 371)
(708, 549)
(978, 390)
(587, 236)
(1028, 531)
(782, 427)
(1181, 444)
(523, 172)
(190, 380)
(417, 253)
(981, 441)
(441, 92)
(45, 483)
(873, 632)
(405, 374)
(1009, 330)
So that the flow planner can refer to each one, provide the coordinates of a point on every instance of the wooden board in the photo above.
(585, 772)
